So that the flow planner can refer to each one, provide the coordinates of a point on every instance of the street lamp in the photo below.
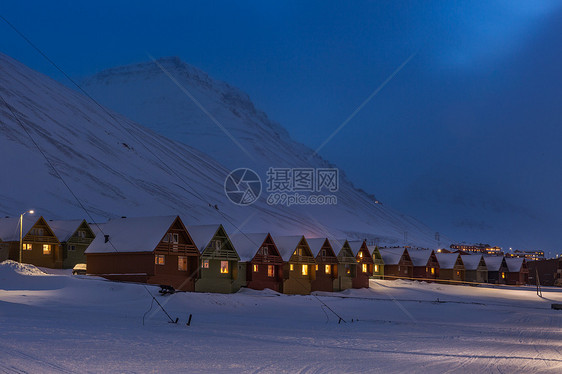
(21, 232)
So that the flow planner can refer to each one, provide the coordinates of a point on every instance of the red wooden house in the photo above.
(326, 264)
(397, 263)
(260, 261)
(298, 264)
(425, 263)
(364, 263)
(517, 271)
(156, 250)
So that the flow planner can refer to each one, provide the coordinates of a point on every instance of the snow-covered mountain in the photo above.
(117, 167)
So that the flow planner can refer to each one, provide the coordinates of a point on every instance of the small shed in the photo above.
(260, 261)
(497, 269)
(347, 265)
(75, 236)
(326, 264)
(451, 267)
(364, 263)
(155, 250)
(219, 260)
(517, 271)
(378, 263)
(40, 246)
(397, 263)
(298, 264)
(475, 269)
(425, 264)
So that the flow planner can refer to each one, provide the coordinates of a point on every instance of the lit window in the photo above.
(360, 254)
(305, 270)
(295, 252)
(376, 268)
(224, 267)
(205, 264)
(432, 271)
(182, 263)
(364, 268)
(328, 269)
(159, 259)
(270, 271)
(27, 246)
(316, 267)
(255, 268)
(291, 267)
(503, 275)
(46, 249)
(347, 269)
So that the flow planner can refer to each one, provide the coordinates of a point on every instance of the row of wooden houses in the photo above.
(162, 250)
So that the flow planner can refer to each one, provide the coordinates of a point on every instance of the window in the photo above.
(503, 275)
(72, 248)
(171, 238)
(360, 254)
(224, 267)
(432, 271)
(376, 268)
(328, 269)
(347, 269)
(364, 268)
(264, 251)
(205, 264)
(255, 268)
(218, 245)
(182, 263)
(458, 273)
(37, 231)
(270, 270)
(305, 270)
(316, 267)
(81, 234)
(291, 267)
(323, 253)
(159, 259)
(27, 246)
(46, 249)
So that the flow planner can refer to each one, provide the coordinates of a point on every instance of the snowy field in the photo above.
(78, 324)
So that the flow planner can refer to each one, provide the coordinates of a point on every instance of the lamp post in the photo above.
(21, 232)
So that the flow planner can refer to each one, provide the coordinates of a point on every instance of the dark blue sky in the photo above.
(475, 114)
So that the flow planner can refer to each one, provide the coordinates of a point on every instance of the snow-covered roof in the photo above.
(10, 227)
(391, 256)
(355, 246)
(337, 245)
(419, 257)
(202, 234)
(471, 262)
(63, 229)
(246, 245)
(447, 260)
(493, 263)
(316, 245)
(286, 245)
(97, 227)
(135, 234)
(514, 264)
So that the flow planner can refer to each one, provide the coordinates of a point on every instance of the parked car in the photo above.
(79, 269)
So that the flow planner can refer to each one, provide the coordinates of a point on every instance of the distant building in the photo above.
(548, 271)
(528, 255)
(486, 249)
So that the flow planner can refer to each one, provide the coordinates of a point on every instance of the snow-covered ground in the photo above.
(63, 323)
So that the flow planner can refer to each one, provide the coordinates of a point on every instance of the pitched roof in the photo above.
(391, 256)
(63, 229)
(355, 246)
(316, 245)
(202, 234)
(493, 263)
(514, 264)
(337, 245)
(286, 245)
(135, 234)
(10, 227)
(420, 257)
(471, 262)
(246, 245)
(447, 260)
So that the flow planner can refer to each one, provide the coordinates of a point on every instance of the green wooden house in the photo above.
(347, 264)
(298, 264)
(378, 262)
(219, 271)
(75, 236)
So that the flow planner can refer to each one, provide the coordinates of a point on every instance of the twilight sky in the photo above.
(466, 137)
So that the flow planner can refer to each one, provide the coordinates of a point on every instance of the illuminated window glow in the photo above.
(291, 267)
(432, 271)
(224, 267)
(270, 270)
(364, 268)
(205, 264)
(27, 246)
(159, 259)
(376, 268)
(328, 269)
(305, 270)
(255, 268)
(182, 263)
(46, 249)
(316, 267)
